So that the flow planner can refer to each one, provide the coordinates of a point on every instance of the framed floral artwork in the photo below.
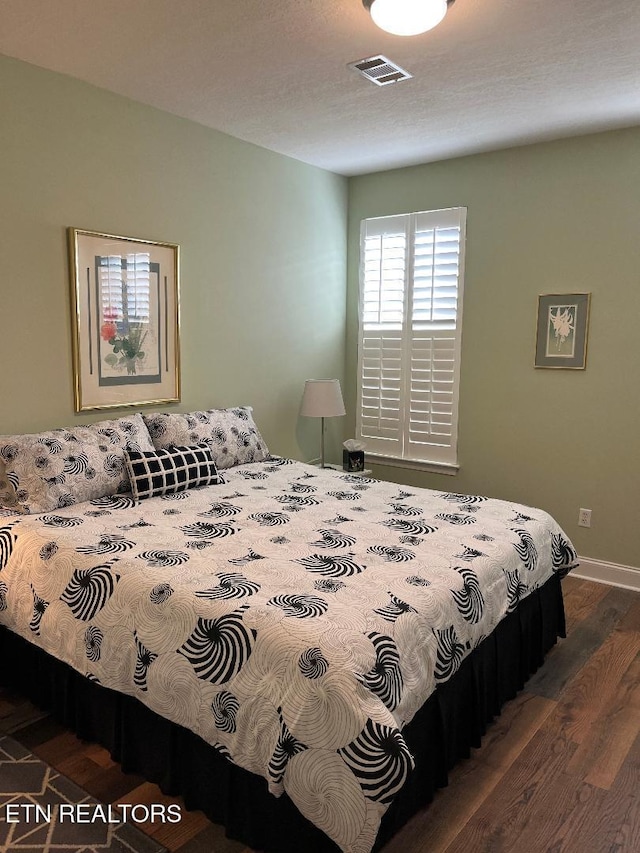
(126, 320)
(561, 336)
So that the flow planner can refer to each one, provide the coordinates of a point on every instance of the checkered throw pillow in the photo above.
(174, 469)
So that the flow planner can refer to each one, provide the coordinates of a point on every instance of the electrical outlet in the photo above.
(584, 518)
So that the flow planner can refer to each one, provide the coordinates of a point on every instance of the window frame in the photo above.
(438, 457)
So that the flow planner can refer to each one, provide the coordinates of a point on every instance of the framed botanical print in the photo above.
(563, 324)
(126, 320)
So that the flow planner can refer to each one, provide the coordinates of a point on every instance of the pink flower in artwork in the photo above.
(108, 331)
(126, 342)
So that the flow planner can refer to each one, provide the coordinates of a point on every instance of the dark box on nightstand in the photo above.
(353, 460)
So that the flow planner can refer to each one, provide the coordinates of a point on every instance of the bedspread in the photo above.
(294, 618)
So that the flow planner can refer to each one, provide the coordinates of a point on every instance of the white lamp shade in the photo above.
(408, 17)
(322, 398)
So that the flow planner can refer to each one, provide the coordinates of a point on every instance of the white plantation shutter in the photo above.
(382, 305)
(410, 324)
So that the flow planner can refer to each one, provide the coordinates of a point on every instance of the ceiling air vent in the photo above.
(380, 70)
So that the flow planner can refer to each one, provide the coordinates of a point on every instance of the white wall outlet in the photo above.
(584, 518)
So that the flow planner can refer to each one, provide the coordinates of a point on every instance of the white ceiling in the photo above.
(495, 73)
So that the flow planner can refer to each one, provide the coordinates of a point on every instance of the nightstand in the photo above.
(364, 473)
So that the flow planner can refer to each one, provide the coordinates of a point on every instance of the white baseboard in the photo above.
(600, 571)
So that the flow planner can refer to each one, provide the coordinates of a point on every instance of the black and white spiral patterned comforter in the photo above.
(294, 618)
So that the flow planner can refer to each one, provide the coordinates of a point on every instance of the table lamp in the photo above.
(322, 398)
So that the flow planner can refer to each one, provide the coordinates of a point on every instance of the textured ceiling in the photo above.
(495, 73)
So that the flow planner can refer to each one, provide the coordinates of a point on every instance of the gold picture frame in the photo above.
(562, 330)
(125, 295)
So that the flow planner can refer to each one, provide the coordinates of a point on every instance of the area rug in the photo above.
(41, 811)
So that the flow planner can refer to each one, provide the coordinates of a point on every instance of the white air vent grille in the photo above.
(380, 70)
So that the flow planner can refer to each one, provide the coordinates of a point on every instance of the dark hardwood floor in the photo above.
(558, 771)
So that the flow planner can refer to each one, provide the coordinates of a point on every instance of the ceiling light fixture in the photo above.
(407, 17)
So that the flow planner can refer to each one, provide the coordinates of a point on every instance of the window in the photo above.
(411, 282)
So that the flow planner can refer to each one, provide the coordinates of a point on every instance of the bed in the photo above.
(302, 653)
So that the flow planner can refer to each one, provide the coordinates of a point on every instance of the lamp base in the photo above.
(322, 464)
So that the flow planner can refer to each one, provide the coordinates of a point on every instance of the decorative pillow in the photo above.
(163, 472)
(51, 470)
(232, 434)
(7, 494)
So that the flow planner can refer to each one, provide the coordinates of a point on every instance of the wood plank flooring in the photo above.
(558, 771)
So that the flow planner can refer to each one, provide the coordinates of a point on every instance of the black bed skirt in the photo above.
(451, 722)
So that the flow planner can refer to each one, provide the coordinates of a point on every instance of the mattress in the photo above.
(294, 618)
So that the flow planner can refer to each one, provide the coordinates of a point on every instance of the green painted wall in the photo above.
(263, 252)
(555, 217)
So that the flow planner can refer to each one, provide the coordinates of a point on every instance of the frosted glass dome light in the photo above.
(406, 17)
